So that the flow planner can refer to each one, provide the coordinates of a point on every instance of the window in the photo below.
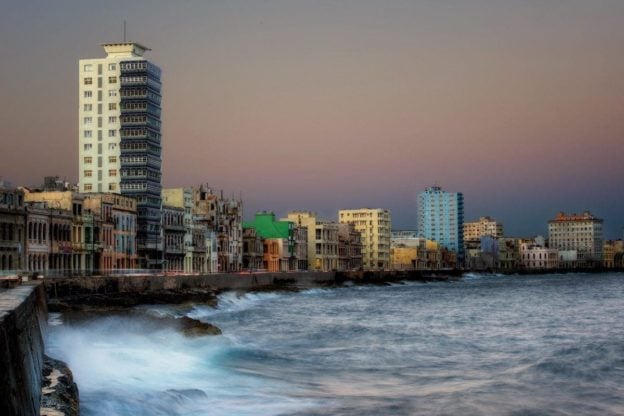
(88, 146)
(88, 134)
(112, 119)
(88, 187)
(112, 93)
(88, 81)
(88, 94)
(88, 160)
(112, 67)
(112, 146)
(88, 173)
(112, 133)
(112, 172)
(88, 120)
(112, 106)
(112, 80)
(88, 107)
(112, 159)
(112, 187)
(87, 68)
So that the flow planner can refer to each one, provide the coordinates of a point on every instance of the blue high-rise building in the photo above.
(441, 218)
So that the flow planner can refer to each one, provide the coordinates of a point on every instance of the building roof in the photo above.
(267, 227)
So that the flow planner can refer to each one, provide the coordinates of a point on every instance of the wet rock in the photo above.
(59, 393)
(194, 328)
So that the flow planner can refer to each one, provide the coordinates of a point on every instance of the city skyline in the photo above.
(324, 105)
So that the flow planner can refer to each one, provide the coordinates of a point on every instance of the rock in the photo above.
(59, 393)
(121, 301)
(194, 328)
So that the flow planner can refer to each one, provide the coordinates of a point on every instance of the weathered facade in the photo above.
(173, 238)
(12, 229)
(578, 232)
(322, 240)
(349, 247)
(253, 251)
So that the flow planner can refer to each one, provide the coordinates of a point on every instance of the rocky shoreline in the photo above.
(59, 392)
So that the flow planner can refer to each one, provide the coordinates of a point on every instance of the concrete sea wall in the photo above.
(76, 287)
(23, 317)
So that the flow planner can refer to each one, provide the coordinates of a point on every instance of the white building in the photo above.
(536, 257)
(119, 136)
(582, 233)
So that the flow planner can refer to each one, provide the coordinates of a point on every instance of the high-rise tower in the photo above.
(441, 218)
(120, 136)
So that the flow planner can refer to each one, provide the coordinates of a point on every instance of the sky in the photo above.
(323, 105)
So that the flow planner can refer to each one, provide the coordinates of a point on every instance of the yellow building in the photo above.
(374, 225)
(404, 258)
(322, 240)
(484, 226)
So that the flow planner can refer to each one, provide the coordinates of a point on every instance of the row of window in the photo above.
(134, 159)
(89, 173)
(133, 65)
(89, 67)
(88, 159)
(89, 146)
(89, 94)
(89, 80)
(111, 106)
(89, 187)
(88, 134)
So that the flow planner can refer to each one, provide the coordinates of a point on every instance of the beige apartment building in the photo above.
(322, 240)
(577, 232)
(374, 225)
(484, 226)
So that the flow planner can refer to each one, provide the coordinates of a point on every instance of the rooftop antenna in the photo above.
(124, 30)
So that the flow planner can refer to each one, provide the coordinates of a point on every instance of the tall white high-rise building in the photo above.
(119, 135)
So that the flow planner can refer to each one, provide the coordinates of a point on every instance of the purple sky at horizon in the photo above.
(323, 105)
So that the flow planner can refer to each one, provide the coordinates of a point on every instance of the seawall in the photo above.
(23, 317)
(121, 291)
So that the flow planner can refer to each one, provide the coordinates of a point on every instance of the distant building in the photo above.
(12, 229)
(482, 253)
(474, 230)
(374, 225)
(85, 249)
(300, 234)
(322, 240)
(119, 144)
(173, 238)
(349, 247)
(578, 232)
(278, 241)
(508, 254)
(116, 216)
(612, 253)
(253, 250)
(223, 217)
(535, 256)
(441, 218)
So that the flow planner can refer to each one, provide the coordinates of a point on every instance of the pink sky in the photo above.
(324, 105)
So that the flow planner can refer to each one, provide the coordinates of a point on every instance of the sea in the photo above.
(483, 345)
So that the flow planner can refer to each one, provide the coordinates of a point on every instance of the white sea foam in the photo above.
(129, 365)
